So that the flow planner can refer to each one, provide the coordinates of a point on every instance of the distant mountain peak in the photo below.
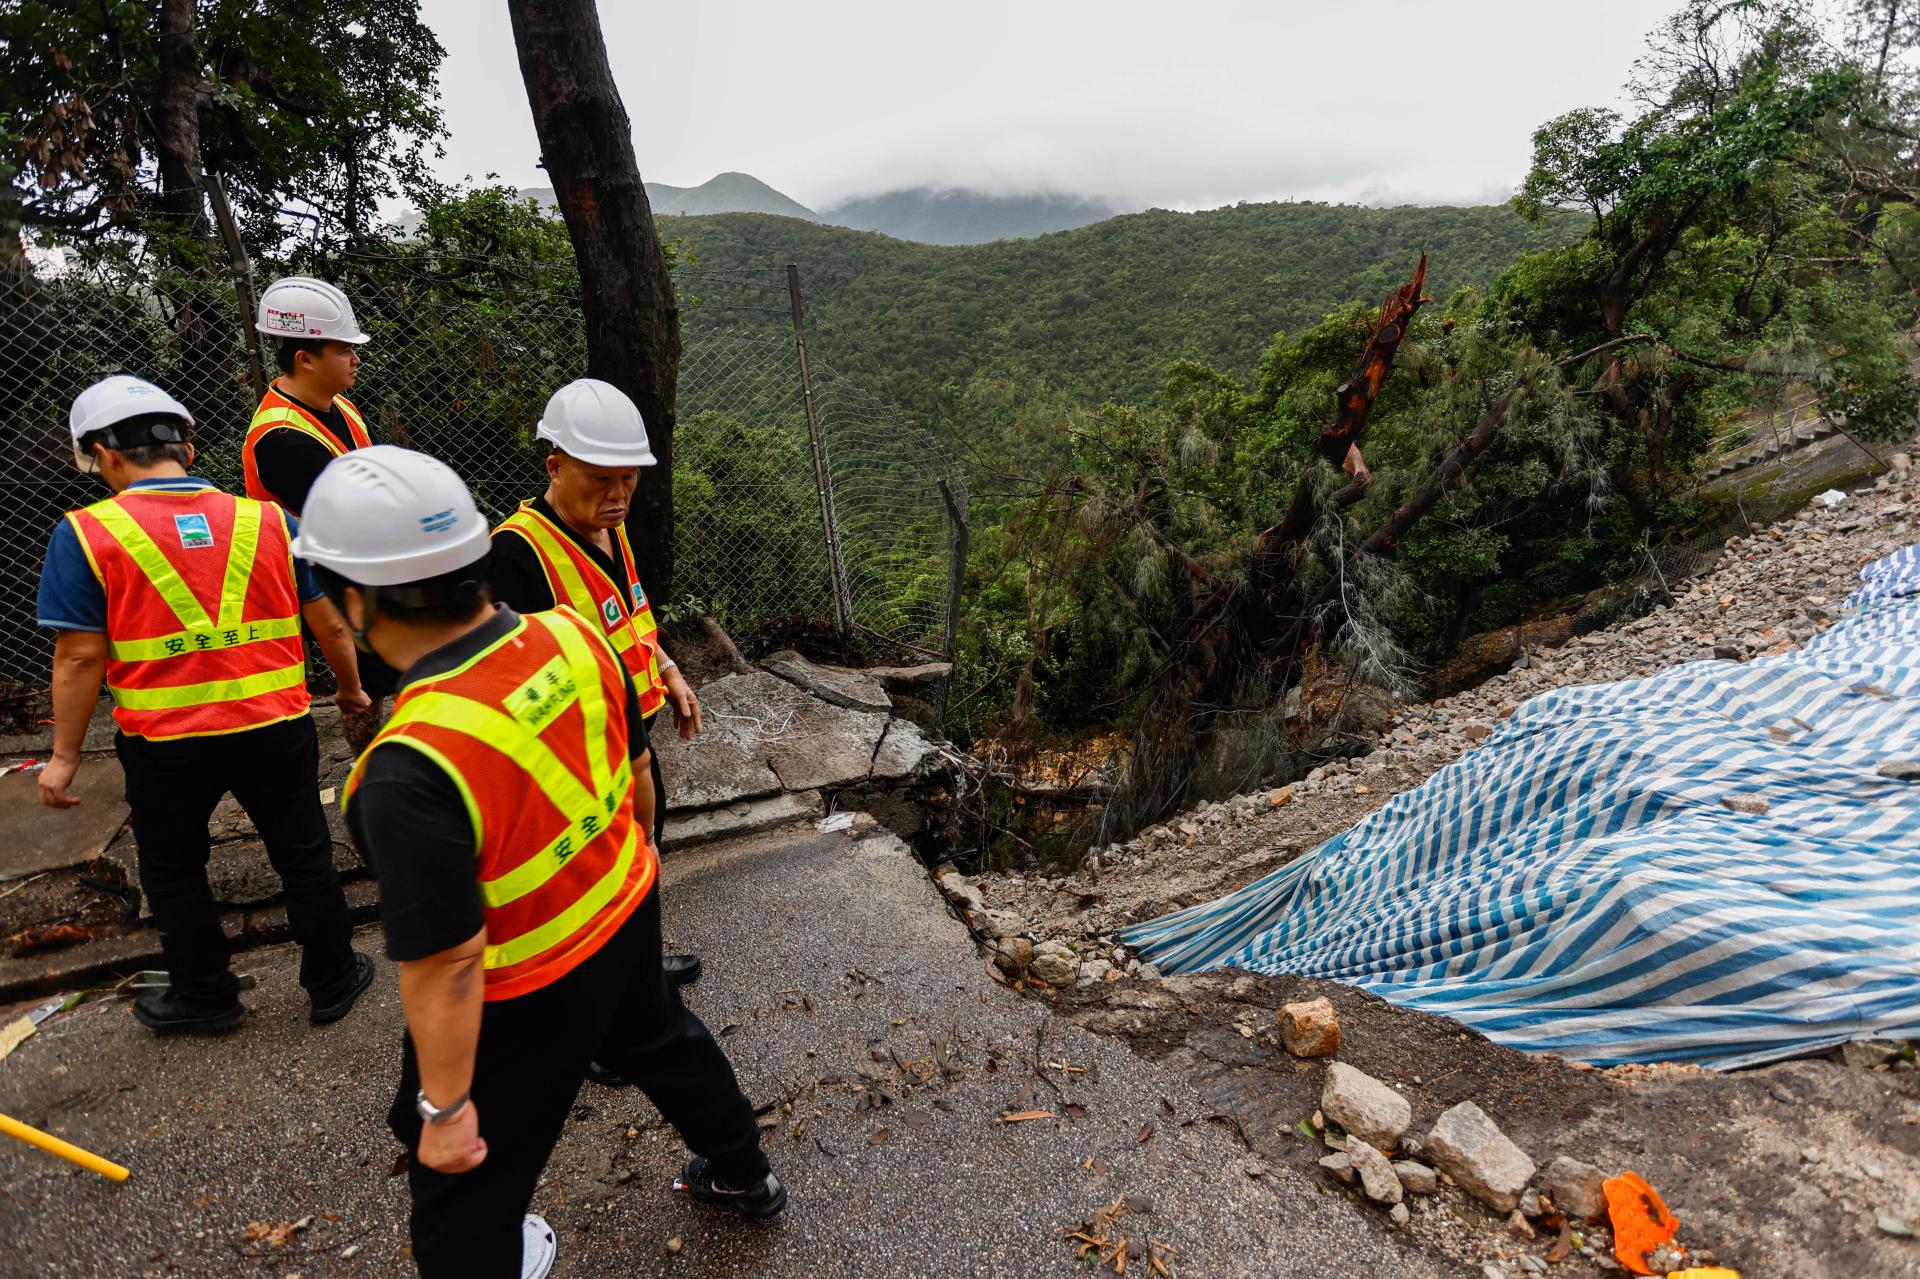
(961, 215)
(927, 214)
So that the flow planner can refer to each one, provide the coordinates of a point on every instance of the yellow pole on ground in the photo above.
(65, 1149)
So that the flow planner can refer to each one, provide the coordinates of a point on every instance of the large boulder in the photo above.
(1364, 1107)
(1470, 1148)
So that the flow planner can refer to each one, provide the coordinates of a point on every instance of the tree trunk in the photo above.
(208, 371)
(632, 320)
(176, 120)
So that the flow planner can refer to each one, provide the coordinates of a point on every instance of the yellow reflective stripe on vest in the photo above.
(437, 756)
(573, 647)
(195, 625)
(179, 696)
(495, 728)
(569, 921)
(189, 641)
(293, 420)
(352, 415)
(579, 595)
(149, 559)
(246, 540)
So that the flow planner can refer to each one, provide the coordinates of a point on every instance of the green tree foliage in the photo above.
(1744, 231)
(321, 111)
(1104, 311)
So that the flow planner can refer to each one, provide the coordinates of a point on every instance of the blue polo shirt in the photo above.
(71, 597)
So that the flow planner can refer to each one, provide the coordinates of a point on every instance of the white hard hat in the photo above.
(300, 306)
(113, 400)
(384, 515)
(595, 422)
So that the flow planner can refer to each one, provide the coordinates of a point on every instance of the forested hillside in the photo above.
(1101, 312)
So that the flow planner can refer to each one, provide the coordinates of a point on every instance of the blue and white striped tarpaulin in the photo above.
(1578, 886)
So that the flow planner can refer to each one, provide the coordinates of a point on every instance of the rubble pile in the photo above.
(1768, 592)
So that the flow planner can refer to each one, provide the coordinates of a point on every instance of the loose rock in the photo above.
(1469, 1147)
(1416, 1178)
(1055, 963)
(1577, 1189)
(1310, 1029)
(1340, 1168)
(1399, 1215)
(1365, 1107)
(1377, 1179)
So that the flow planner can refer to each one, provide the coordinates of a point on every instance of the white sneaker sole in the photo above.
(537, 1247)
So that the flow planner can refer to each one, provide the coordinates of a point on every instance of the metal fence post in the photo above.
(957, 537)
(842, 601)
(242, 278)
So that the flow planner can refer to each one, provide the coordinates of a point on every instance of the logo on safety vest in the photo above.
(610, 609)
(194, 531)
(550, 691)
(639, 598)
(286, 321)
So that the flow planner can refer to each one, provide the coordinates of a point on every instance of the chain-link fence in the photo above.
(463, 354)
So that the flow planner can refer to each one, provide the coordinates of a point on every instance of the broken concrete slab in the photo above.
(41, 838)
(830, 746)
(728, 761)
(909, 679)
(904, 754)
(839, 685)
(746, 817)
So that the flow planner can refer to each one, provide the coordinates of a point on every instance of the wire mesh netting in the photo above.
(462, 358)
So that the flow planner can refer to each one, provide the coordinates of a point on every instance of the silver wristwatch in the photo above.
(440, 1114)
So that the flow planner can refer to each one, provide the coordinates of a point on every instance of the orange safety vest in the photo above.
(203, 617)
(532, 730)
(277, 412)
(584, 586)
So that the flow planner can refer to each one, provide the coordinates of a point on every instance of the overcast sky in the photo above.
(1155, 102)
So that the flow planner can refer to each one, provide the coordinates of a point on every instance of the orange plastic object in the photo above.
(1640, 1218)
(1704, 1272)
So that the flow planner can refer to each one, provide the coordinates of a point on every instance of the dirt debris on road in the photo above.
(1804, 1168)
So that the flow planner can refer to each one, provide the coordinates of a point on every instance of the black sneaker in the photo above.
(763, 1199)
(167, 1012)
(335, 1004)
(681, 970)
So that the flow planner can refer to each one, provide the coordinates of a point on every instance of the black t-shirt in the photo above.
(290, 461)
(411, 825)
(518, 580)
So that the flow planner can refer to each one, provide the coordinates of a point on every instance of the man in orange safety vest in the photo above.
(188, 602)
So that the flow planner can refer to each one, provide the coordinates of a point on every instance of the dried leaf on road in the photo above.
(1146, 1131)
(1021, 1116)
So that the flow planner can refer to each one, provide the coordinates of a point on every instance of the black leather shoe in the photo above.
(166, 1012)
(332, 1006)
(681, 970)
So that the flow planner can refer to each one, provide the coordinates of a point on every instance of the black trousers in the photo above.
(532, 1058)
(172, 788)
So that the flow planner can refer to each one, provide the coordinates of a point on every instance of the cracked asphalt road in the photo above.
(855, 1009)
